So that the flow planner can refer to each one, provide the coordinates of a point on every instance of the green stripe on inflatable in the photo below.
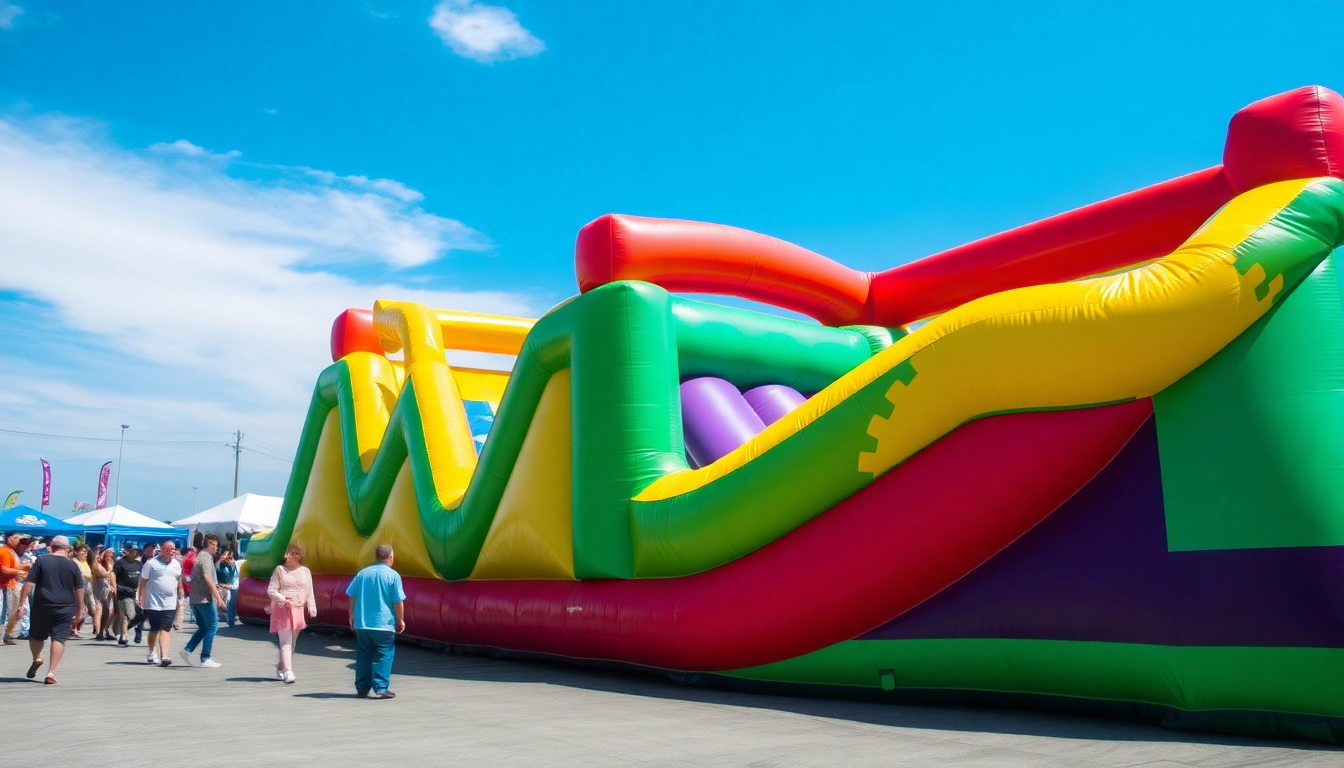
(1294, 680)
(750, 349)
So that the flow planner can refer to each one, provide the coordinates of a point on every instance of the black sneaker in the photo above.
(384, 695)
(137, 637)
(123, 642)
(165, 662)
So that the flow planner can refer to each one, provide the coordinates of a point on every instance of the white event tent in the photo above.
(117, 515)
(246, 515)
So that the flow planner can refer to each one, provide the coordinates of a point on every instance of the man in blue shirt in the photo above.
(377, 614)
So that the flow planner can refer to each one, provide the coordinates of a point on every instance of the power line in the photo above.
(110, 439)
(104, 429)
(267, 455)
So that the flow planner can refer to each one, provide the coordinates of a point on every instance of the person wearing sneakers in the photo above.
(57, 587)
(377, 615)
(158, 597)
(206, 603)
(126, 574)
(12, 574)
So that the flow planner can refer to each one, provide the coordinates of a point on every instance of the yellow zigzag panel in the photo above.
(531, 536)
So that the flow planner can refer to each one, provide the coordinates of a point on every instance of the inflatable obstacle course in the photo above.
(1092, 462)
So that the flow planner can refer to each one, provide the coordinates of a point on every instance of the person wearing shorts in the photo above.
(57, 587)
(159, 577)
(126, 576)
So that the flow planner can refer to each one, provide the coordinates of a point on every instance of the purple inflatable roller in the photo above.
(773, 401)
(716, 418)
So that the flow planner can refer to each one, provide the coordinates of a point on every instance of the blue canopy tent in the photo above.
(114, 527)
(31, 522)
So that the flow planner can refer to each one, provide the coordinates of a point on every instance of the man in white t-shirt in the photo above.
(159, 579)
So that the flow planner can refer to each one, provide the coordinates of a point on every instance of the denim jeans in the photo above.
(231, 613)
(373, 659)
(207, 623)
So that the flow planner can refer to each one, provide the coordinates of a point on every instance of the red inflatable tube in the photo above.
(1293, 135)
(892, 545)
(696, 257)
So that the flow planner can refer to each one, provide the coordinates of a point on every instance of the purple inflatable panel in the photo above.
(716, 418)
(773, 401)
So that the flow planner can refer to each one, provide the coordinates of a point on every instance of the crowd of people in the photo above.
(49, 589)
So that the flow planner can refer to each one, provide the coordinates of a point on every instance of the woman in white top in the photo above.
(291, 593)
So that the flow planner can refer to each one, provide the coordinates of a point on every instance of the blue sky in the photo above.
(189, 193)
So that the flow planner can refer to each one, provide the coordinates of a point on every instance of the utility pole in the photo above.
(193, 499)
(120, 446)
(237, 449)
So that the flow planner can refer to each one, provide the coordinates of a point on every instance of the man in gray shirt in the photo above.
(206, 603)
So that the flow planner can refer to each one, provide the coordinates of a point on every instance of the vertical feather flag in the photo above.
(46, 483)
(13, 500)
(102, 485)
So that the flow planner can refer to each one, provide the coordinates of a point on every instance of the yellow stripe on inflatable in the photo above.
(375, 385)
(451, 452)
(531, 536)
(323, 526)
(400, 527)
(487, 386)
(475, 332)
(1048, 346)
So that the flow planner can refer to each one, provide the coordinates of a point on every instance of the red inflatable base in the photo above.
(884, 550)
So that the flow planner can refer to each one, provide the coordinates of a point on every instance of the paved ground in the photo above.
(477, 710)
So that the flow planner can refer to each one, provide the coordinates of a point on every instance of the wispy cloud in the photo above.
(482, 32)
(186, 148)
(178, 288)
(8, 13)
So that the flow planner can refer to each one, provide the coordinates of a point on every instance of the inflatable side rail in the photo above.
(1298, 134)
(355, 330)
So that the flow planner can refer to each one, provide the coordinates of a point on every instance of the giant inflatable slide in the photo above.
(1095, 462)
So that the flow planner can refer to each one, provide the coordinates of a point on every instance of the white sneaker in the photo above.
(211, 664)
(186, 658)
(150, 659)
(279, 675)
(290, 678)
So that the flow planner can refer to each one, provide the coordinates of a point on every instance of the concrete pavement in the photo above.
(480, 710)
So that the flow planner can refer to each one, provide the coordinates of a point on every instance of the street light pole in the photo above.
(120, 446)
(193, 499)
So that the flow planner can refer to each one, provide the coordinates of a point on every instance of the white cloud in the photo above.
(172, 295)
(187, 149)
(8, 13)
(482, 32)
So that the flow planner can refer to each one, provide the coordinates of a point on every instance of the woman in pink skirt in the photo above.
(291, 593)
